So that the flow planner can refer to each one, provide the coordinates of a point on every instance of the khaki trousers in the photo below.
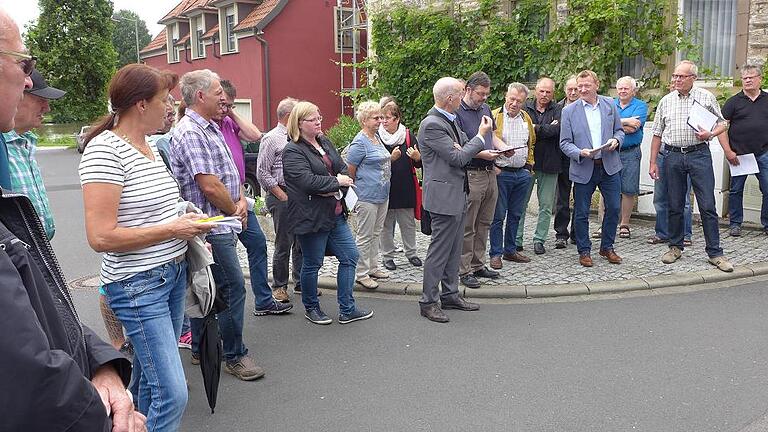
(483, 191)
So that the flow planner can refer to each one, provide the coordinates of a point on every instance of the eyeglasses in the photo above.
(27, 61)
(378, 117)
(681, 77)
(749, 78)
(314, 120)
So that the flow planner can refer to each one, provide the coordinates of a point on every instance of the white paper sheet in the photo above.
(747, 165)
(351, 198)
(701, 117)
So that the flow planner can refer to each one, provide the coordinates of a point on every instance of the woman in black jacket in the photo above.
(314, 177)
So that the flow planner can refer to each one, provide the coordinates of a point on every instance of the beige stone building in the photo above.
(729, 31)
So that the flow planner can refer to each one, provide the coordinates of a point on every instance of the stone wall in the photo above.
(757, 44)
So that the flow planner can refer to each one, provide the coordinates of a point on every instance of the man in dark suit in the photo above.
(445, 151)
(590, 133)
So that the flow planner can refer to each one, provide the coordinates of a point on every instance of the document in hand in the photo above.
(747, 165)
(701, 117)
(602, 147)
(351, 198)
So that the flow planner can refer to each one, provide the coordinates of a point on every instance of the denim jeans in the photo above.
(256, 245)
(341, 244)
(231, 288)
(150, 306)
(662, 206)
(697, 166)
(736, 195)
(610, 189)
(510, 204)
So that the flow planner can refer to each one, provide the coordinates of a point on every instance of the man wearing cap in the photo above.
(22, 144)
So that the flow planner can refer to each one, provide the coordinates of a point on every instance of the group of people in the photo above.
(150, 187)
(480, 187)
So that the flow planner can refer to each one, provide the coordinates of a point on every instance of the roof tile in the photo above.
(158, 42)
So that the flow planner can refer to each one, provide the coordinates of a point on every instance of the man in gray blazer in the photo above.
(445, 151)
(590, 133)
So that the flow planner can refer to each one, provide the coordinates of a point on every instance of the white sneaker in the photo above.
(379, 274)
(367, 283)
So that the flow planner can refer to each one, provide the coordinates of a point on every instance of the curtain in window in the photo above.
(715, 25)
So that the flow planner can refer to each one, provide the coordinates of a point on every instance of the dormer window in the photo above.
(173, 38)
(228, 37)
(197, 25)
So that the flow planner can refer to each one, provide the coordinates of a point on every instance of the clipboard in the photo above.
(700, 116)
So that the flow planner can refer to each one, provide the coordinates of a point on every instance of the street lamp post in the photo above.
(135, 33)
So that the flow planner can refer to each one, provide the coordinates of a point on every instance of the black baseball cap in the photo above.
(40, 88)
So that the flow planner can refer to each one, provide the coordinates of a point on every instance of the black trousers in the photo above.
(563, 213)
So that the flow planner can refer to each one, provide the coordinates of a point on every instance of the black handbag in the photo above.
(426, 222)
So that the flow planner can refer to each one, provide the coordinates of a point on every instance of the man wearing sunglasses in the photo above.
(61, 373)
(15, 68)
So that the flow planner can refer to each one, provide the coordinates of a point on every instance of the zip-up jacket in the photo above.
(47, 356)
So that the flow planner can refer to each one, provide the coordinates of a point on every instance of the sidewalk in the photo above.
(558, 272)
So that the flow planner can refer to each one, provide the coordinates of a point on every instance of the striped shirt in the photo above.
(671, 120)
(198, 147)
(269, 165)
(514, 133)
(149, 197)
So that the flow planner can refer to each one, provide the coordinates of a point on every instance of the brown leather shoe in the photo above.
(611, 255)
(516, 257)
(459, 304)
(433, 312)
(496, 263)
(585, 260)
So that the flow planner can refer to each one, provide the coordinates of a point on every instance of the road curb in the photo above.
(566, 290)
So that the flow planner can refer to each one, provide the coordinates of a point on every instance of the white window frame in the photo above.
(196, 32)
(172, 37)
(228, 38)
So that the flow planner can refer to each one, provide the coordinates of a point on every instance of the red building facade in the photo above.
(269, 49)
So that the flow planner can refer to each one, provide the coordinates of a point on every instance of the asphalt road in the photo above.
(675, 360)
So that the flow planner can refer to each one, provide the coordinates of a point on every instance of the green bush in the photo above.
(343, 131)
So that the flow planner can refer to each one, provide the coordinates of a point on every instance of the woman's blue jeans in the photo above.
(340, 243)
(150, 306)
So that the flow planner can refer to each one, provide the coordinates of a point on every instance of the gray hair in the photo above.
(285, 107)
(692, 67)
(519, 87)
(195, 81)
(445, 87)
(753, 67)
(632, 82)
(365, 109)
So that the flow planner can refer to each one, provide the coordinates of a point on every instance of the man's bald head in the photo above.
(447, 93)
(13, 80)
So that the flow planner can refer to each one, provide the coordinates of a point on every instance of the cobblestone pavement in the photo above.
(560, 266)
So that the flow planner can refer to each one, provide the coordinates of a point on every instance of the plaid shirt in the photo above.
(671, 120)
(514, 133)
(198, 147)
(26, 178)
(269, 166)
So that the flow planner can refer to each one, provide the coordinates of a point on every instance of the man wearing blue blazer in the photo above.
(590, 133)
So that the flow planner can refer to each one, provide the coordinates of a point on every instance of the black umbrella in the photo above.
(211, 352)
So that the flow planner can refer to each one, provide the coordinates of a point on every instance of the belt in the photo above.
(688, 149)
(628, 148)
(178, 259)
(508, 168)
(480, 168)
(598, 162)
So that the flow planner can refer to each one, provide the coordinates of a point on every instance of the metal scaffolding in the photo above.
(352, 24)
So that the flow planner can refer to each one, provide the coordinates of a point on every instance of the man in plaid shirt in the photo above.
(689, 155)
(26, 178)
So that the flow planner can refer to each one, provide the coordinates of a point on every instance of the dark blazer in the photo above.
(306, 177)
(547, 155)
(47, 357)
(575, 135)
(443, 164)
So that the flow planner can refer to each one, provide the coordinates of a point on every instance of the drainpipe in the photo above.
(265, 51)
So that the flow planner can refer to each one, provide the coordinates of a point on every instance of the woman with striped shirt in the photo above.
(131, 216)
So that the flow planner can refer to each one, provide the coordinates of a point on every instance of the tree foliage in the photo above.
(73, 42)
(416, 46)
(124, 36)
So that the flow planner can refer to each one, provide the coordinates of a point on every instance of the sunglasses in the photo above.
(27, 61)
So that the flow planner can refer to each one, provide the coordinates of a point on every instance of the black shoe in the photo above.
(356, 315)
(538, 248)
(485, 273)
(470, 281)
(519, 248)
(415, 261)
(318, 317)
(459, 304)
(390, 264)
(433, 313)
(276, 308)
(573, 240)
(561, 243)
